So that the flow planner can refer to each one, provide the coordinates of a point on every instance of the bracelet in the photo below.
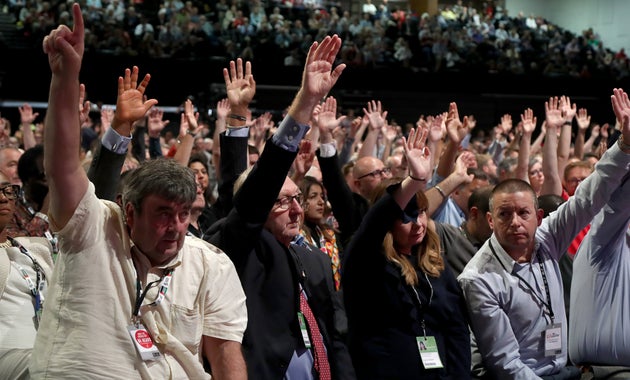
(622, 145)
(567, 123)
(189, 132)
(417, 179)
(439, 189)
(237, 117)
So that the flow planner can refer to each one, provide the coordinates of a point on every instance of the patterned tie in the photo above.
(321, 360)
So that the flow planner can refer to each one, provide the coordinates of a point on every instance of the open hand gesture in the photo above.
(318, 76)
(417, 154)
(240, 85)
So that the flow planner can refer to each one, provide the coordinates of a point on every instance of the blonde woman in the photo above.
(397, 290)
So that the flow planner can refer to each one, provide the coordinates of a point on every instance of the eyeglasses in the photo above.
(575, 181)
(377, 172)
(285, 202)
(11, 192)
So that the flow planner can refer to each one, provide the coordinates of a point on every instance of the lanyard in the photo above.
(164, 281)
(52, 239)
(546, 303)
(37, 287)
(415, 292)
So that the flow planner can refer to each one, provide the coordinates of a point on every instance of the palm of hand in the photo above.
(554, 117)
(419, 161)
(130, 106)
(317, 78)
(327, 121)
(240, 92)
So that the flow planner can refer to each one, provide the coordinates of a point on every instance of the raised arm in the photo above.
(188, 130)
(241, 88)
(131, 106)
(67, 180)
(553, 122)
(583, 121)
(528, 122)
(377, 118)
(27, 117)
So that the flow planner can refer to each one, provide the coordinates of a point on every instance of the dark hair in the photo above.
(480, 198)
(549, 203)
(163, 177)
(27, 164)
(513, 185)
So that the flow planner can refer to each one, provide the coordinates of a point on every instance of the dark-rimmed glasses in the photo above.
(11, 192)
(377, 172)
(285, 202)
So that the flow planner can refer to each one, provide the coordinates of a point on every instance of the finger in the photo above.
(248, 68)
(322, 50)
(127, 80)
(226, 77)
(239, 68)
(233, 76)
(311, 53)
(78, 28)
(134, 77)
(121, 86)
(333, 49)
(145, 82)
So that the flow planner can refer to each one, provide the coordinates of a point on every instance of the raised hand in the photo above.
(375, 115)
(155, 124)
(553, 114)
(506, 123)
(65, 47)
(529, 121)
(319, 76)
(454, 127)
(189, 120)
(131, 105)
(417, 154)
(27, 116)
(583, 119)
(327, 119)
(621, 107)
(223, 108)
(240, 86)
(437, 127)
(84, 106)
(568, 110)
(107, 116)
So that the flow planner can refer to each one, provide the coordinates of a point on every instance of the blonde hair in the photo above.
(430, 259)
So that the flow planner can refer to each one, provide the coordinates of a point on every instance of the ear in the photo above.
(539, 214)
(129, 214)
(473, 213)
(489, 217)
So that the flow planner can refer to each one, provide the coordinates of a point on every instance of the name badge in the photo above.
(553, 339)
(144, 343)
(429, 352)
(304, 330)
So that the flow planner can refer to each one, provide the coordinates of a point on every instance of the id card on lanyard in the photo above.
(137, 331)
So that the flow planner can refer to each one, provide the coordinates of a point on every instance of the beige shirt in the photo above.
(83, 333)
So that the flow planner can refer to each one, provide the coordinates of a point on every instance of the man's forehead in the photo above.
(521, 198)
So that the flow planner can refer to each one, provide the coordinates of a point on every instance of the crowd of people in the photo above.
(457, 38)
(326, 246)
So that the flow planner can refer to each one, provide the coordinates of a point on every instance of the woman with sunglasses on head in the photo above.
(398, 291)
(25, 267)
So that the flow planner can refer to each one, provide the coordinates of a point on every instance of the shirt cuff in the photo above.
(327, 150)
(113, 141)
(237, 131)
(289, 134)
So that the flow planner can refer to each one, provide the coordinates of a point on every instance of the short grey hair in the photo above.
(163, 177)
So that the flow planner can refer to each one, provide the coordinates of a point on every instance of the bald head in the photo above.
(368, 173)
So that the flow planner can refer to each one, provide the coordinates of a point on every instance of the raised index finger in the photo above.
(78, 29)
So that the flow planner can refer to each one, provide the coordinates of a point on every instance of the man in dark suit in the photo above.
(261, 236)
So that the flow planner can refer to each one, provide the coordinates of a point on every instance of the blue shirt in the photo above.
(600, 289)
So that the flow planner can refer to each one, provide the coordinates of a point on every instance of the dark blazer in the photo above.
(269, 273)
(104, 172)
(383, 345)
(348, 207)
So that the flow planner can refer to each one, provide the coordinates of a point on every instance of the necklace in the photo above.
(6, 244)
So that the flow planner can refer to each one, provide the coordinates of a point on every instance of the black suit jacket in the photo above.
(270, 273)
(104, 172)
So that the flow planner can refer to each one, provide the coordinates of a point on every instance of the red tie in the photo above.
(321, 360)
